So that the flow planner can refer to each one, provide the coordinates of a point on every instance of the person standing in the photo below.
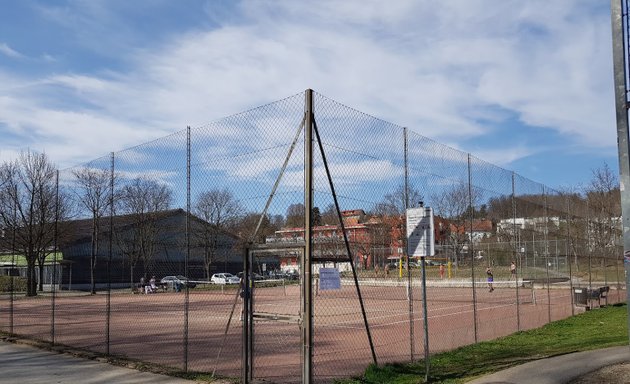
(152, 288)
(142, 284)
(513, 270)
(490, 279)
(441, 271)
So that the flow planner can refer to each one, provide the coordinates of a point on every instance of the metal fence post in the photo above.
(53, 292)
(110, 254)
(247, 357)
(13, 251)
(517, 252)
(471, 250)
(409, 279)
(568, 253)
(306, 264)
(546, 251)
(186, 289)
(620, 44)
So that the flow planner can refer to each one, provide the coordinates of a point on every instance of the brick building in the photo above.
(373, 240)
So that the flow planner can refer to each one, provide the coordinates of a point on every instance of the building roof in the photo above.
(81, 229)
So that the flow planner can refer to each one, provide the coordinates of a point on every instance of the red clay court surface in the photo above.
(151, 327)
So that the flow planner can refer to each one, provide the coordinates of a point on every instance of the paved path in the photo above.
(25, 364)
(560, 369)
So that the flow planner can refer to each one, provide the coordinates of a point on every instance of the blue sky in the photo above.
(526, 85)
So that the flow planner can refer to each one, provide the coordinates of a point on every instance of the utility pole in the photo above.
(620, 42)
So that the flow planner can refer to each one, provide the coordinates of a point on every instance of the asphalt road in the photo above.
(560, 369)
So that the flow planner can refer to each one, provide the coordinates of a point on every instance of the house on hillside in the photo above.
(374, 241)
(527, 223)
(481, 229)
(328, 241)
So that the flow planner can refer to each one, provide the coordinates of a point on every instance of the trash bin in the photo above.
(580, 296)
(593, 294)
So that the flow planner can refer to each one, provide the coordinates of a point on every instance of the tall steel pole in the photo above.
(518, 252)
(409, 283)
(621, 103)
(306, 265)
(471, 249)
(53, 291)
(187, 259)
(110, 251)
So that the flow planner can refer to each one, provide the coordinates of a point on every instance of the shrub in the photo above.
(19, 284)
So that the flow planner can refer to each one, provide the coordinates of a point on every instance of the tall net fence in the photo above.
(137, 248)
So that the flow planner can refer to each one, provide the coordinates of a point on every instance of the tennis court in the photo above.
(154, 328)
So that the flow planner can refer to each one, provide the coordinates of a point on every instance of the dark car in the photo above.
(179, 279)
(257, 277)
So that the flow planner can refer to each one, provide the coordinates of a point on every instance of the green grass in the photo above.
(600, 328)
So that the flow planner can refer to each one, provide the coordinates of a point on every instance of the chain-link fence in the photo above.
(139, 244)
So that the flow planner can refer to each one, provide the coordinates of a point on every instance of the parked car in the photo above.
(257, 277)
(392, 266)
(288, 275)
(179, 279)
(224, 278)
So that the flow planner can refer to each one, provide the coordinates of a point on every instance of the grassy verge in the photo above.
(601, 328)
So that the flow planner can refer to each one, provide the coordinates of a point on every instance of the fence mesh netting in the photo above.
(139, 244)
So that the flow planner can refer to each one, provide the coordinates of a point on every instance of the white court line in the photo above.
(418, 318)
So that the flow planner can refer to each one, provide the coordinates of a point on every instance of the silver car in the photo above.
(224, 278)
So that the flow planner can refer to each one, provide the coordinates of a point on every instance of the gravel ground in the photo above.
(614, 374)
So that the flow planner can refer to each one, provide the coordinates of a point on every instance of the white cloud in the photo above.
(439, 68)
(10, 52)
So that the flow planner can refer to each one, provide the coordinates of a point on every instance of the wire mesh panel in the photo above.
(438, 175)
(493, 237)
(149, 227)
(276, 313)
(365, 159)
(559, 285)
(84, 258)
(143, 249)
(6, 305)
(240, 194)
(531, 243)
(28, 213)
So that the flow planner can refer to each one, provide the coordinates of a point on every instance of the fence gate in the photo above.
(271, 313)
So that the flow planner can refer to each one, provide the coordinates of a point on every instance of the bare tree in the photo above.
(381, 242)
(142, 200)
(295, 216)
(220, 212)
(603, 198)
(28, 205)
(457, 205)
(247, 225)
(329, 216)
(393, 204)
(391, 213)
(93, 196)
